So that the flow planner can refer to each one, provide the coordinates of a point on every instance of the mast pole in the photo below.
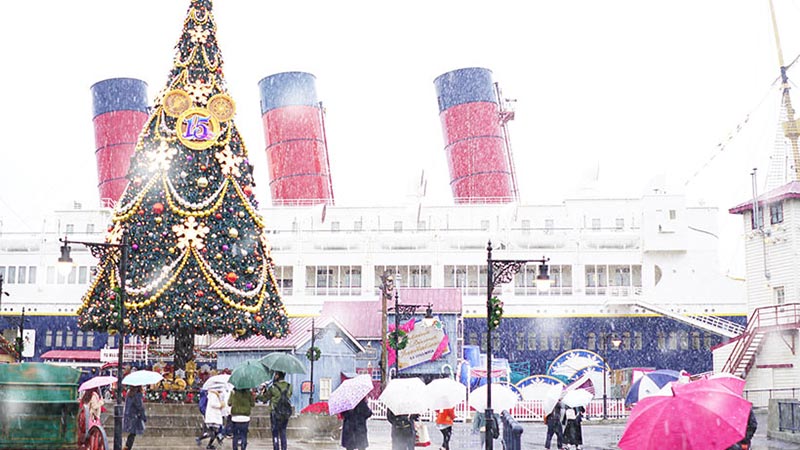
(790, 127)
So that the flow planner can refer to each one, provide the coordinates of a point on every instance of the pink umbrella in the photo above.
(349, 393)
(698, 415)
(97, 382)
(730, 381)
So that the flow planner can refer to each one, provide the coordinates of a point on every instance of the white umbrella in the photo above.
(503, 398)
(577, 397)
(142, 378)
(218, 382)
(445, 393)
(548, 394)
(405, 396)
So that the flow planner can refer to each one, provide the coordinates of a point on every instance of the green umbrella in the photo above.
(283, 362)
(248, 375)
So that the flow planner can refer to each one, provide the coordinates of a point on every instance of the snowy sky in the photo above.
(642, 88)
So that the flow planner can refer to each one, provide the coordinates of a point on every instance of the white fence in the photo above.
(524, 411)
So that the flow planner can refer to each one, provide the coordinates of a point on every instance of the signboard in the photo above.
(28, 346)
(305, 387)
(425, 343)
(109, 355)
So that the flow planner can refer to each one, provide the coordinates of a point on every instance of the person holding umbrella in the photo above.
(278, 395)
(402, 430)
(444, 422)
(134, 416)
(95, 402)
(241, 402)
(354, 426)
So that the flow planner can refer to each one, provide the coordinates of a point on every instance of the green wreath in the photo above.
(313, 354)
(395, 336)
(495, 312)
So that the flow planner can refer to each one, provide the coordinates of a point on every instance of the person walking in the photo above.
(479, 425)
(354, 426)
(444, 422)
(553, 421)
(278, 396)
(750, 431)
(402, 430)
(241, 402)
(95, 402)
(572, 427)
(213, 419)
(134, 416)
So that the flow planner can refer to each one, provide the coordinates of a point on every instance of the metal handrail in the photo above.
(761, 320)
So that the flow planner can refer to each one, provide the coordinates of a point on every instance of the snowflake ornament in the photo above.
(199, 35)
(229, 162)
(191, 233)
(160, 158)
(199, 92)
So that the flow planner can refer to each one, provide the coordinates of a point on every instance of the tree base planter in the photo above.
(316, 427)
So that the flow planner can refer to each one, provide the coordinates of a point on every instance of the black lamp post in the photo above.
(500, 271)
(405, 312)
(2, 292)
(99, 250)
(615, 342)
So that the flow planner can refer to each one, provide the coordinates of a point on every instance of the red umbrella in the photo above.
(315, 408)
(701, 415)
(97, 382)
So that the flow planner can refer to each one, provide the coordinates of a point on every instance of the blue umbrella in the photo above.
(649, 384)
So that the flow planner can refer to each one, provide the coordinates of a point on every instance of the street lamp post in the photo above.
(500, 271)
(406, 311)
(387, 286)
(99, 249)
(615, 342)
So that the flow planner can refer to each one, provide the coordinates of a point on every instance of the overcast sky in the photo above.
(642, 88)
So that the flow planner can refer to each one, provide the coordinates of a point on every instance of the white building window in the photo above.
(398, 226)
(620, 223)
(780, 297)
(324, 388)
(596, 224)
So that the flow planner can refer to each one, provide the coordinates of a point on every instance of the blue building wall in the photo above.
(335, 359)
(540, 340)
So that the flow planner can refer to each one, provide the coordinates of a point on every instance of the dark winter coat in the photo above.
(402, 430)
(572, 428)
(134, 417)
(354, 427)
(750, 431)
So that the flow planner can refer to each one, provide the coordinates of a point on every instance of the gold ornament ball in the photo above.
(202, 182)
(250, 270)
(233, 232)
(158, 219)
(241, 213)
(218, 256)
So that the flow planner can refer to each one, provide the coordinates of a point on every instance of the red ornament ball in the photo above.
(141, 212)
(231, 277)
(218, 216)
(248, 190)
(158, 208)
(258, 318)
(199, 293)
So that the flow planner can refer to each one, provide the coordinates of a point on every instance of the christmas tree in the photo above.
(199, 258)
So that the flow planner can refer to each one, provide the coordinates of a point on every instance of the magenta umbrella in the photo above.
(97, 382)
(349, 393)
(701, 415)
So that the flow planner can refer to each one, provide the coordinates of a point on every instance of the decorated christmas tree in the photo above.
(199, 258)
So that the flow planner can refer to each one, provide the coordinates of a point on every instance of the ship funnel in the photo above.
(481, 169)
(294, 130)
(120, 112)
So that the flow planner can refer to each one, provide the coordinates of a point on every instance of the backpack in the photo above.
(282, 410)
(202, 404)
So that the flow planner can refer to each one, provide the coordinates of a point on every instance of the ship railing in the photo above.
(719, 322)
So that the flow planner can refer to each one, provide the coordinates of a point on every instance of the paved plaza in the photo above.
(596, 436)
